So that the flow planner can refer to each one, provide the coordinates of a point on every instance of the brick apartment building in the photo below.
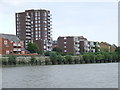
(10, 44)
(76, 44)
(35, 26)
(71, 44)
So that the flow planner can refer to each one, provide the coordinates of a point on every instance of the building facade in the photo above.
(35, 26)
(10, 44)
(54, 44)
(77, 45)
(72, 44)
(91, 46)
(106, 47)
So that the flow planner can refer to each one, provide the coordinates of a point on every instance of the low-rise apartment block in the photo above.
(77, 44)
(11, 44)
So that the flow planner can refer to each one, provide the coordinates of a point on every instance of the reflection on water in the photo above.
(62, 76)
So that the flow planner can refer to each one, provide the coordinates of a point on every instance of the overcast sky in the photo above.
(97, 21)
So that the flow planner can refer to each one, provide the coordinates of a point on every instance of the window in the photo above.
(35, 21)
(65, 50)
(7, 52)
(36, 32)
(45, 14)
(31, 22)
(36, 18)
(35, 13)
(65, 38)
(45, 28)
(27, 14)
(38, 13)
(36, 36)
(36, 25)
(44, 47)
(5, 42)
(65, 42)
(36, 28)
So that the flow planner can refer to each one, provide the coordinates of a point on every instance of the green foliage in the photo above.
(47, 62)
(47, 53)
(77, 61)
(99, 57)
(33, 48)
(12, 59)
(53, 58)
(106, 50)
(118, 50)
(70, 53)
(57, 49)
(69, 59)
(33, 60)
(4, 61)
(60, 59)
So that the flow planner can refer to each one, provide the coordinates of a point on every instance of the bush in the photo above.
(47, 53)
(4, 61)
(11, 59)
(86, 58)
(77, 61)
(60, 59)
(53, 58)
(69, 59)
(99, 57)
(32, 60)
(92, 57)
(47, 62)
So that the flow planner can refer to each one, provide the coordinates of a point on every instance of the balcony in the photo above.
(28, 34)
(14, 44)
(92, 45)
(17, 49)
(49, 14)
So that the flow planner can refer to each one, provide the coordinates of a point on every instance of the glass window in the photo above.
(36, 28)
(35, 13)
(35, 21)
(7, 52)
(5, 42)
(38, 13)
(36, 18)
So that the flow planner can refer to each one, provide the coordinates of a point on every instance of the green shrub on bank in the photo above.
(32, 60)
(60, 59)
(4, 61)
(53, 58)
(11, 59)
(47, 61)
(69, 59)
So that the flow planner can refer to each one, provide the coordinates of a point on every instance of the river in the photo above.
(103, 75)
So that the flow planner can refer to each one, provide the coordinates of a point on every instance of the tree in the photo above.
(47, 53)
(106, 50)
(53, 58)
(57, 49)
(69, 59)
(118, 50)
(33, 48)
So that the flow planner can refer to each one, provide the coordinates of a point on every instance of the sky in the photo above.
(95, 20)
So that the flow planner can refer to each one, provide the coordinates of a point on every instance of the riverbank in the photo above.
(46, 60)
